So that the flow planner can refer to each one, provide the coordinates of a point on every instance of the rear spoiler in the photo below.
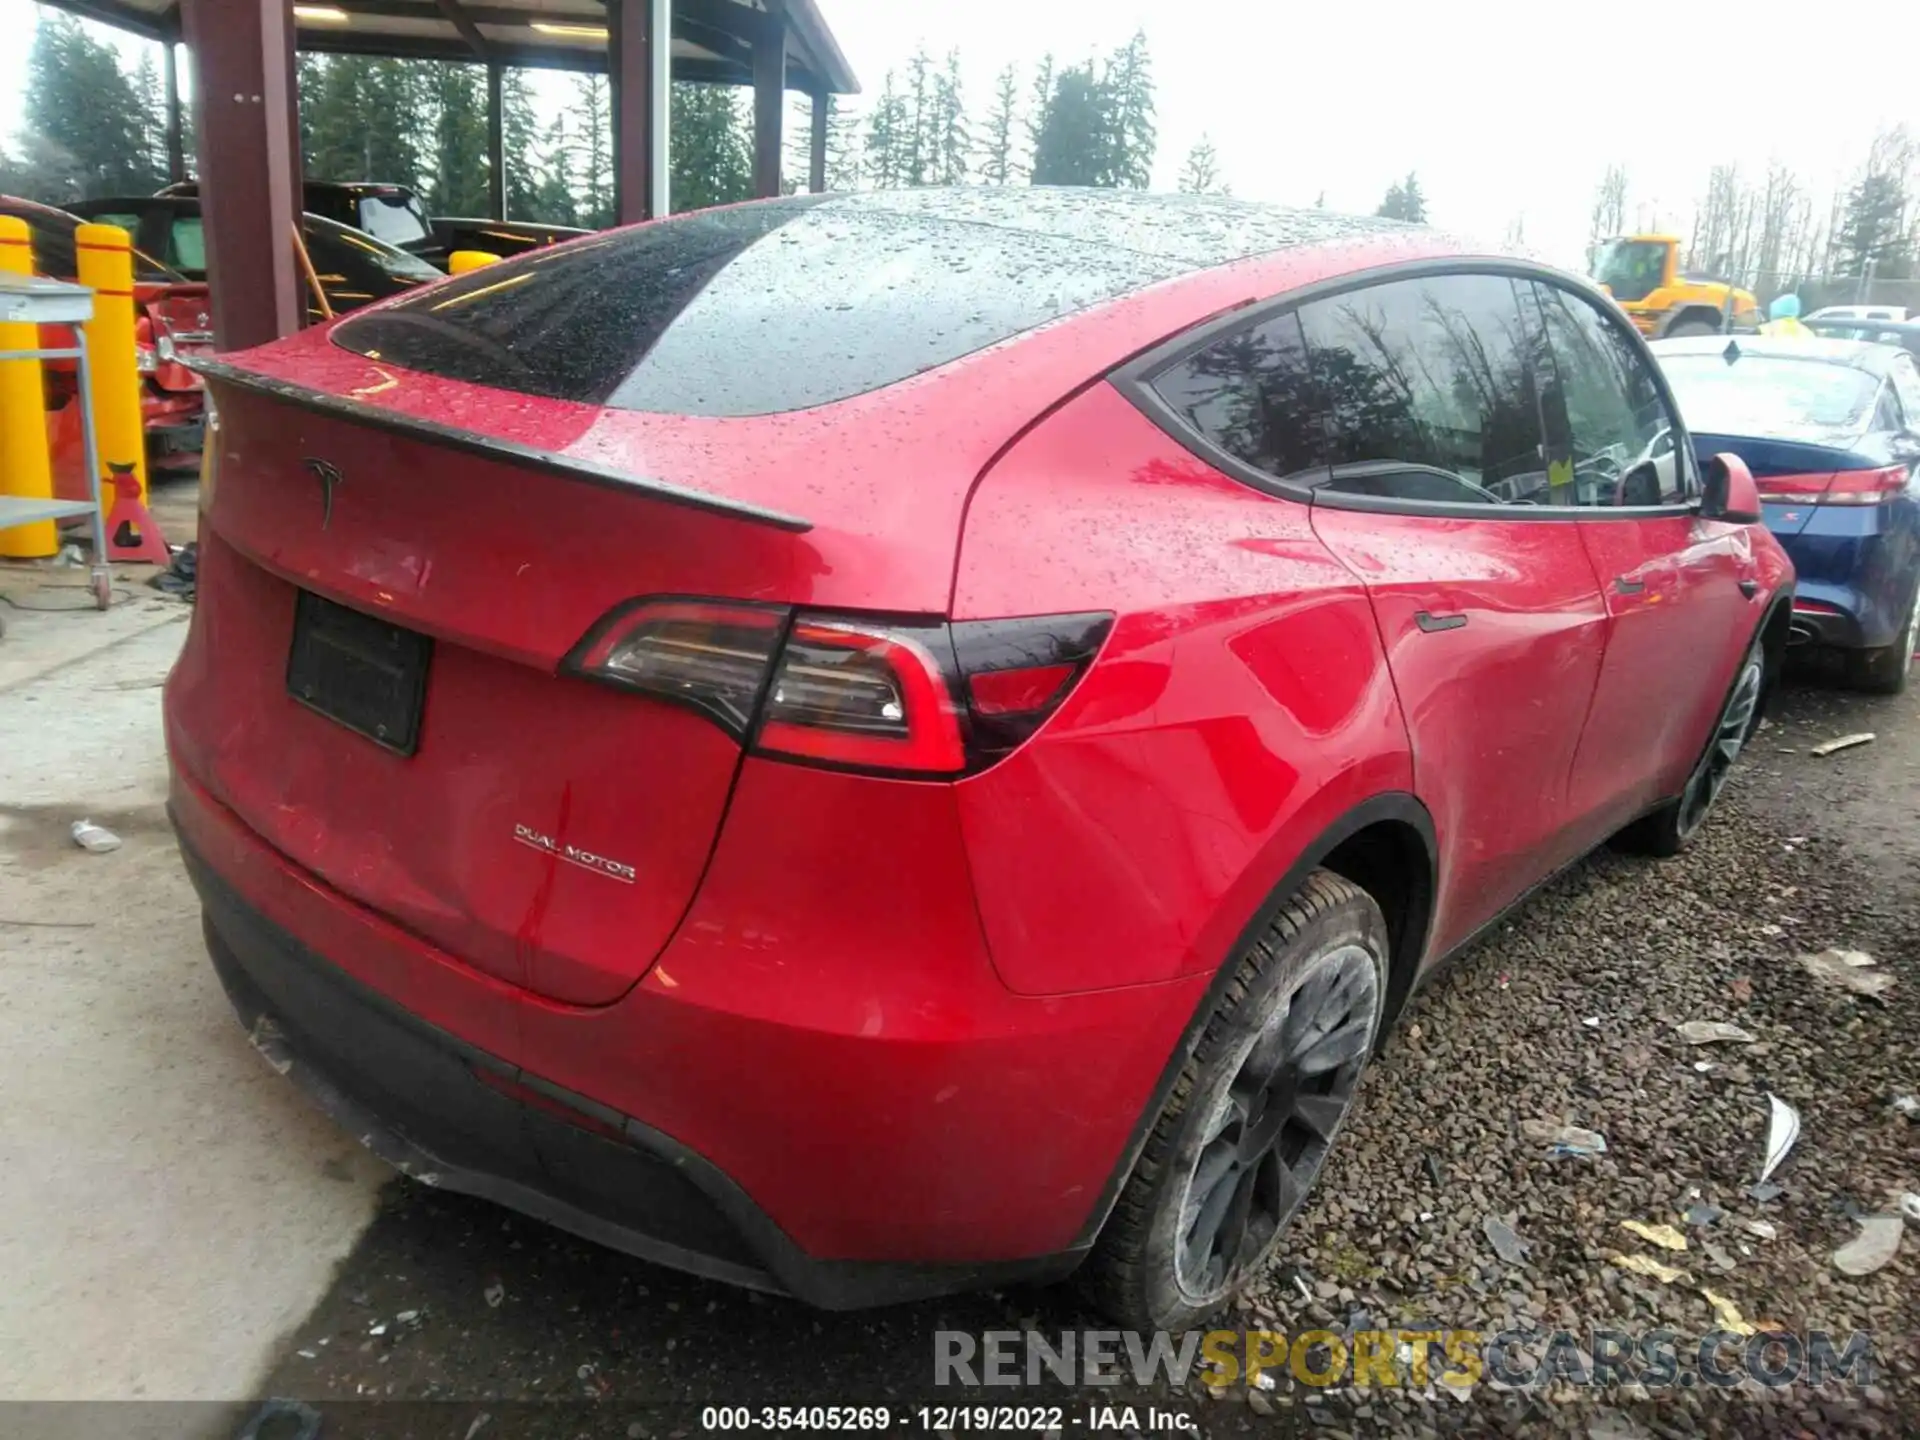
(486, 446)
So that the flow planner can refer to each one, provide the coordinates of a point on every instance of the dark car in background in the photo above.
(353, 268)
(1831, 431)
(1904, 333)
(393, 213)
(171, 318)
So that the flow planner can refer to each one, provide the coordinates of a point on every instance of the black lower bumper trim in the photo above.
(451, 1115)
(1827, 628)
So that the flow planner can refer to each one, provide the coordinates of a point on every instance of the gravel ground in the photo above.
(1805, 853)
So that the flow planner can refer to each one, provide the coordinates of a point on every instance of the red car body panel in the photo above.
(1179, 795)
(908, 1021)
(1493, 707)
(1688, 572)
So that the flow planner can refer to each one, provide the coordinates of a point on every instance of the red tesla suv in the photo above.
(870, 745)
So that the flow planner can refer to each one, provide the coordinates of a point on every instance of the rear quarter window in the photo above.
(755, 310)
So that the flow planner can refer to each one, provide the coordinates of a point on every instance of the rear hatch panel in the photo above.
(548, 830)
(1770, 459)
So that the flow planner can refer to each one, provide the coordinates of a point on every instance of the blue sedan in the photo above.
(1831, 431)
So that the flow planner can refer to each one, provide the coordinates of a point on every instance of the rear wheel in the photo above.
(1667, 830)
(1884, 671)
(1693, 327)
(1252, 1114)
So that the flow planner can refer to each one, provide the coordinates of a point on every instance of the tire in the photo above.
(1666, 831)
(1244, 1106)
(1691, 327)
(1884, 671)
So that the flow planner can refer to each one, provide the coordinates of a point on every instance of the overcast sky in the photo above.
(1506, 110)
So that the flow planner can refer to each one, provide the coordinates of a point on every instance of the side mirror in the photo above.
(461, 261)
(1730, 493)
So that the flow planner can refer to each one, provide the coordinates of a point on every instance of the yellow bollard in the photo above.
(25, 468)
(106, 268)
(461, 261)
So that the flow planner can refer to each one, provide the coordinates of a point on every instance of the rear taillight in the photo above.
(868, 696)
(898, 697)
(1017, 672)
(1865, 487)
(1847, 487)
(707, 655)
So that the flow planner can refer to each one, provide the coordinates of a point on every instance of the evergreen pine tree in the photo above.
(1870, 231)
(1071, 148)
(153, 117)
(1201, 173)
(951, 140)
(590, 122)
(310, 76)
(1043, 88)
(1404, 201)
(917, 151)
(460, 178)
(554, 198)
(844, 165)
(712, 149)
(999, 167)
(87, 131)
(1126, 92)
(887, 130)
(519, 138)
(396, 96)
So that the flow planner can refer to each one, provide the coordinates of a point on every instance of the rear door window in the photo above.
(1429, 391)
(1611, 438)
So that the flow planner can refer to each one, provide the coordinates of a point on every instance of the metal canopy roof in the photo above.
(712, 39)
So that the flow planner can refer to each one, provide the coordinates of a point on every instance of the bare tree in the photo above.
(1609, 206)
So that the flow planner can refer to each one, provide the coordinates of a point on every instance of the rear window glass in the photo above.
(1768, 395)
(798, 302)
(396, 219)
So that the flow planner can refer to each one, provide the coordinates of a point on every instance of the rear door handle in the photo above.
(1628, 587)
(1749, 588)
(1431, 623)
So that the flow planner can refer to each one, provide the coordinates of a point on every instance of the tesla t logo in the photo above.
(329, 479)
(574, 855)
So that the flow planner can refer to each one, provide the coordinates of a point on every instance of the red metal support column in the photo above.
(243, 120)
(630, 41)
(769, 101)
(176, 142)
(817, 151)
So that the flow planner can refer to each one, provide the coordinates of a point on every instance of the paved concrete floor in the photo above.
(168, 1206)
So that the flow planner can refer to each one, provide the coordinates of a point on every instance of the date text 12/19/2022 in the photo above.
(1015, 1419)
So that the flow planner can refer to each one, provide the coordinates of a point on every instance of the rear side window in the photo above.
(752, 310)
(1906, 384)
(1252, 394)
(189, 244)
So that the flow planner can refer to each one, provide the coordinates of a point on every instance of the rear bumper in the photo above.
(456, 1117)
(1855, 565)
